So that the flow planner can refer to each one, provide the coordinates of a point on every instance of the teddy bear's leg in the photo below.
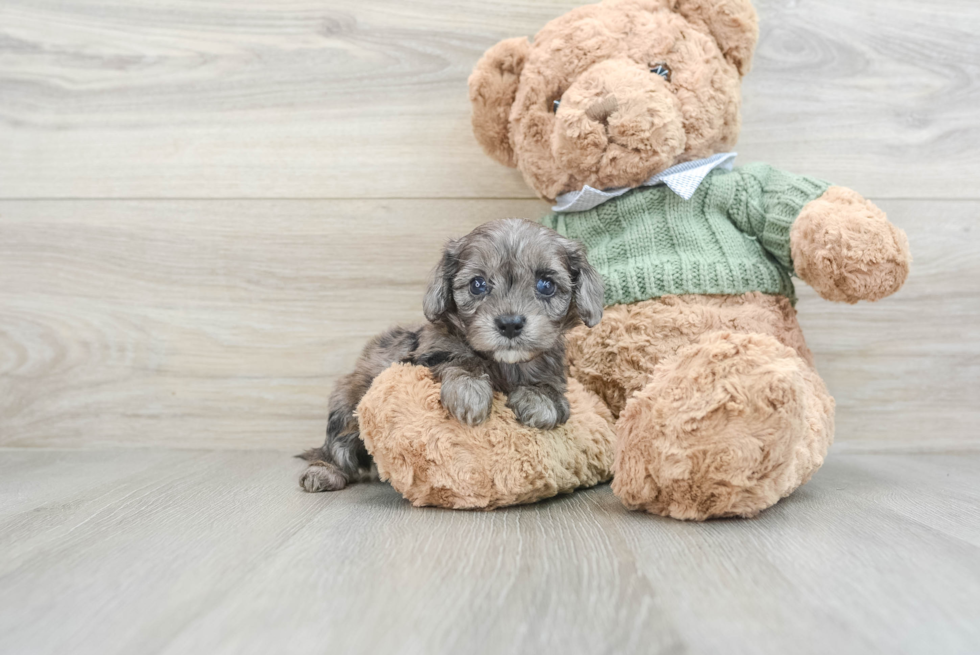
(725, 427)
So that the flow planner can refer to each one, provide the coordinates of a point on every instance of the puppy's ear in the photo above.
(588, 290)
(493, 87)
(438, 300)
(733, 23)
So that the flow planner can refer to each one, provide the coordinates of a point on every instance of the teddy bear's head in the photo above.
(610, 94)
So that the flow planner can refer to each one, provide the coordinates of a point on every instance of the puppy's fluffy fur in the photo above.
(498, 305)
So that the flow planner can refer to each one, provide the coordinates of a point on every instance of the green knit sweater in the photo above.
(731, 237)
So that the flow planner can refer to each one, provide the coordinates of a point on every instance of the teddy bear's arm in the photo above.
(765, 203)
(830, 237)
(846, 249)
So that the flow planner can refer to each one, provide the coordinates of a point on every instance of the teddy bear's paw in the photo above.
(845, 248)
(468, 399)
(537, 408)
(727, 427)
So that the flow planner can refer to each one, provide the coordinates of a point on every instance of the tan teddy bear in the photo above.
(623, 114)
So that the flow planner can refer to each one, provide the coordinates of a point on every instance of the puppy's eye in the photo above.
(555, 105)
(478, 286)
(661, 69)
(545, 287)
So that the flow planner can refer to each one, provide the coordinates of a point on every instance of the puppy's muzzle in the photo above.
(510, 325)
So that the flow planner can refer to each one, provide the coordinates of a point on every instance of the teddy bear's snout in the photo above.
(600, 110)
(617, 124)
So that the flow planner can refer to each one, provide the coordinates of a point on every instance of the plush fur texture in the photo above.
(617, 123)
(720, 412)
(432, 459)
(617, 358)
(844, 247)
(492, 88)
(726, 427)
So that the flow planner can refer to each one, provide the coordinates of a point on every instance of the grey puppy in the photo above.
(498, 305)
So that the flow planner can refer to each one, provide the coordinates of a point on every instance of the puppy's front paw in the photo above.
(537, 409)
(467, 398)
(322, 476)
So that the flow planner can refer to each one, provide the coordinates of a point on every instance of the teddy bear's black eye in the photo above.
(662, 69)
(554, 106)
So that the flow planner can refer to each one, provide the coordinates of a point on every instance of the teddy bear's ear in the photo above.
(733, 23)
(493, 86)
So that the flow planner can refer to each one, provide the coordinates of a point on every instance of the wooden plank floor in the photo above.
(185, 552)
(207, 208)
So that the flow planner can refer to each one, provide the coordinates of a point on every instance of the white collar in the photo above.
(683, 179)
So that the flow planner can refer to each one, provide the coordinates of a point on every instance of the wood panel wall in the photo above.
(207, 208)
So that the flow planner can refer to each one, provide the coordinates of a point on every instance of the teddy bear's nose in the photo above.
(601, 110)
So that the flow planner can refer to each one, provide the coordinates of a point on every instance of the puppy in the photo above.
(498, 305)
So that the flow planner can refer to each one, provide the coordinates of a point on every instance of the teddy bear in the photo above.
(624, 114)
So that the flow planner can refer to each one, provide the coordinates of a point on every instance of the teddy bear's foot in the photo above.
(726, 427)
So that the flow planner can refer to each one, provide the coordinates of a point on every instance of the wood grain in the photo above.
(197, 552)
(203, 323)
(225, 324)
(222, 324)
(367, 98)
(211, 206)
(910, 364)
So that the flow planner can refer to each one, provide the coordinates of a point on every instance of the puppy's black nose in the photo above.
(510, 325)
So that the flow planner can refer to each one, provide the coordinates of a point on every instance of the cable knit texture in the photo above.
(731, 237)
